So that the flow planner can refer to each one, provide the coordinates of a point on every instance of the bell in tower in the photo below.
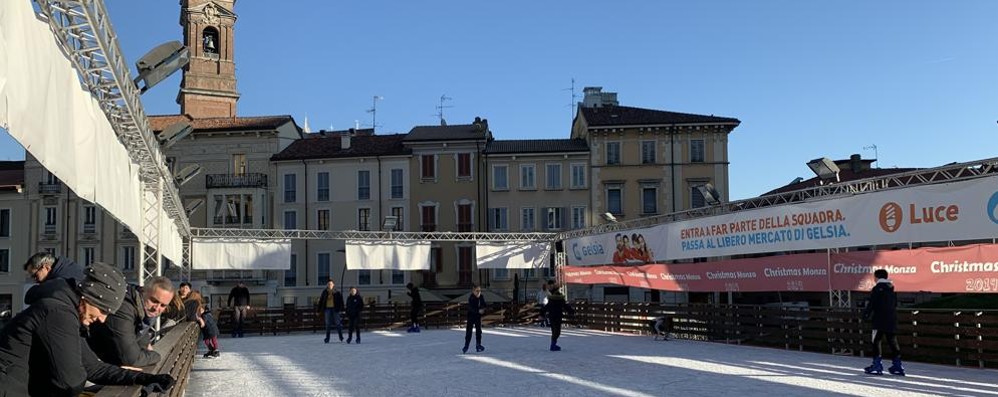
(208, 88)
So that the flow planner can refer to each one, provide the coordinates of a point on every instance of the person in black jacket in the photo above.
(45, 266)
(126, 337)
(46, 338)
(355, 305)
(241, 295)
(331, 305)
(417, 306)
(554, 311)
(476, 308)
(881, 308)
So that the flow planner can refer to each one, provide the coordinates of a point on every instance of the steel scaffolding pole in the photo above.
(84, 31)
(275, 234)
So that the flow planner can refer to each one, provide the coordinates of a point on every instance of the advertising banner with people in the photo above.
(965, 210)
(971, 268)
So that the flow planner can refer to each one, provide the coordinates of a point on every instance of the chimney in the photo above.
(856, 163)
(345, 139)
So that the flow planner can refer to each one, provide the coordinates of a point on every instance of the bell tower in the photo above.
(208, 88)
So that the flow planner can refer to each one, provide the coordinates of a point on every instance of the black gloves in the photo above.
(155, 383)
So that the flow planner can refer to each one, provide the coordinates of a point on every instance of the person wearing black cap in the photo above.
(127, 335)
(46, 338)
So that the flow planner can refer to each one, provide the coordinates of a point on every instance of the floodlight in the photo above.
(187, 173)
(825, 169)
(159, 63)
(609, 217)
(710, 195)
(390, 222)
(193, 206)
(174, 133)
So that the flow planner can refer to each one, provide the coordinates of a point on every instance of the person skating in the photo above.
(542, 300)
(46, 337)
(555, 310)
(476, 308)
(417, 306)
(331, 303)
(355, 304)
(209, 329)
(881, 308)
(240, 294)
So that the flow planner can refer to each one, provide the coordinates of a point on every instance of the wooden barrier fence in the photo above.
(963, 338)
(177, 349)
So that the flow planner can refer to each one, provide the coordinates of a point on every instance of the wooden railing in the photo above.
(964, 338)
(177, 349)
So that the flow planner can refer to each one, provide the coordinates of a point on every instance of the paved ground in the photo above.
(517, 363)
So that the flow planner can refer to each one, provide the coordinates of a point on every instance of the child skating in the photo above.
(555, 310)
(476, 308)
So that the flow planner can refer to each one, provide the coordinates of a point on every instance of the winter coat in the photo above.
(557, 307)
(240, 295)
(191, 309)
(417, 301)
(475, 306)
(46, 337)
(122, 339)
(63, 268)
(355, 305)
(210, 328)
(882, 307)
(337, 300)
(542, 297)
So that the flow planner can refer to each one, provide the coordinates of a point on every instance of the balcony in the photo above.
(214, 181)
(89, 228)
(49, 188)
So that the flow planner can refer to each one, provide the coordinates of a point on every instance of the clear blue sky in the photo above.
(806, 78)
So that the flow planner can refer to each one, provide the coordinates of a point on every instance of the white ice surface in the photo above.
(517, 363)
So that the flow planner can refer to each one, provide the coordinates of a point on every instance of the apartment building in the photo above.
(535, 185)
(448, 194)
(14, 233)
(341, 180)
(647, 162)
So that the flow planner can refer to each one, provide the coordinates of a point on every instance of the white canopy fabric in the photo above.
(384, 255)
(240, 254)
(511, 255)
(44, 106)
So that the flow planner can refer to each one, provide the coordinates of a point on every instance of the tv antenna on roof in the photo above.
(571, 105)
(876, 157)
(441, 107)
(374, 112)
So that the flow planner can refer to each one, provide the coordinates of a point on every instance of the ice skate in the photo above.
(896, 368)
(479, 348)
(877, 368)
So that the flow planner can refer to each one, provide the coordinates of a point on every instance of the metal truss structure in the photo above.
(274, 234)
(84, 31)
(947, 173)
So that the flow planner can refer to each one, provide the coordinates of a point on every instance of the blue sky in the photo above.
(806, 78)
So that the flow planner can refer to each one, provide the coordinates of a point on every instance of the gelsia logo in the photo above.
(993, 208)
(585, 250)
(891, 217)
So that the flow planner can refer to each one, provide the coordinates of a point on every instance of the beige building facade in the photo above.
(15, 230)
(537, 185)
(341, 180)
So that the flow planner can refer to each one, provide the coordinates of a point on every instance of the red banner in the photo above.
(972, 268)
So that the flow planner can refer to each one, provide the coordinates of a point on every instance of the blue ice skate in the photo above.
(877, 368)
(896, 368)
(479, 348)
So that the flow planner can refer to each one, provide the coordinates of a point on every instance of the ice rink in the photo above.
(517, 363)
